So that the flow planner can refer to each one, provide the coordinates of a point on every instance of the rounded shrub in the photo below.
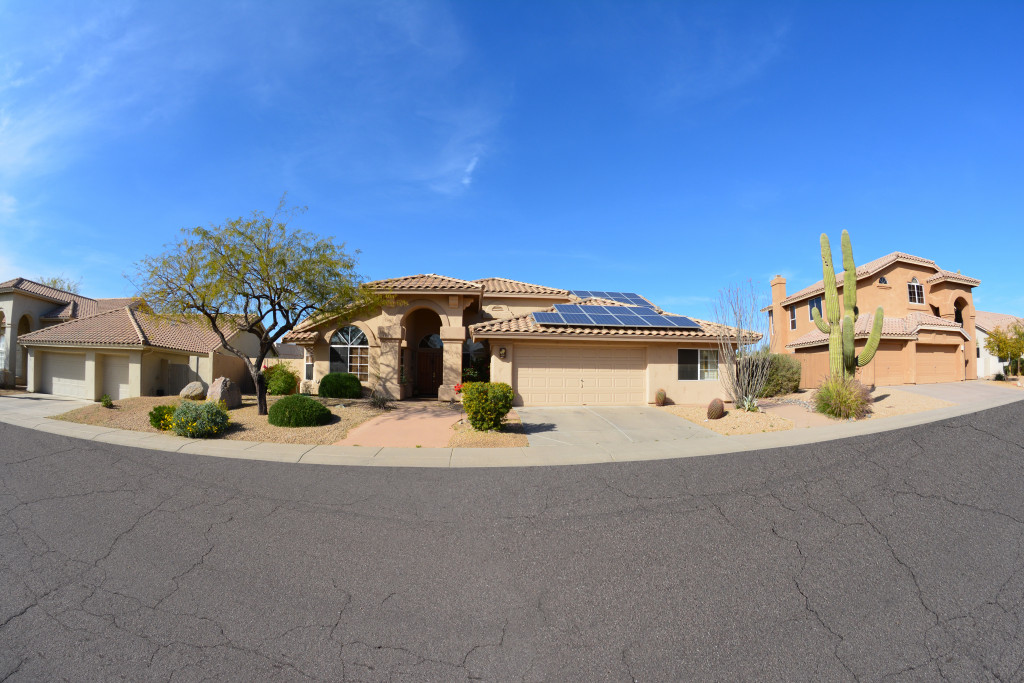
(486, 404)
(783, 375)
(197, 420)
(281, 380)
(843, 397)
(298, 410)
(341, 385)
(162, 417)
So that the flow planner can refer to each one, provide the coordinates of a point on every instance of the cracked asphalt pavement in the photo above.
(895, 556)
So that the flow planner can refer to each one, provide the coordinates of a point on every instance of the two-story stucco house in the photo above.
(928, 334)
(553, 346)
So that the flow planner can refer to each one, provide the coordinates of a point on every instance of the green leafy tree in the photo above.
(254, 274)
(1006, 342)
(62, 282)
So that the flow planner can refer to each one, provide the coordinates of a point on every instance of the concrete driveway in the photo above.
(587, 425)
(960, 393)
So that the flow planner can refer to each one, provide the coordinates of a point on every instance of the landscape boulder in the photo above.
(193, 391)
(223, 389)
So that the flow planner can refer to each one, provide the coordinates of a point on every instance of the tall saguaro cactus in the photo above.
(842, 354)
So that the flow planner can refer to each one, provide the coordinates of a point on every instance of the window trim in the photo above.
(914, 283)
(308, 361)
(792, 318)
(821, 301)
(360, 370)
(701, 354)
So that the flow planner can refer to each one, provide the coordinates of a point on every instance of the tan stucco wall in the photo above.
(662, 369)
(14, 306)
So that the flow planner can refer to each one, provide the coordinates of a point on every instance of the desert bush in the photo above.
(341, 385)
(106, 401)
(716, 409)
(783, 375)
(660, 397)
(298, 410)
(843, 397)
(486, 404)
(749, 404)
(197, 420)
(380, 400)
(281, 380)
(162, 417)
(1000, 377)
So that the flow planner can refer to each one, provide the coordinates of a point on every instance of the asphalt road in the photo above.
(895, 556)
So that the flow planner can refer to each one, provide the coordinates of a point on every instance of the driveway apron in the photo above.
(587, 425)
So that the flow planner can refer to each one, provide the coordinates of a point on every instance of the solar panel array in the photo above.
(612, 316)
(628, 298)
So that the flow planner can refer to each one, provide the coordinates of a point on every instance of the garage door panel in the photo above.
(63, 374)
(115, 377)
(578, 375)
(936, 364)
(888, 364)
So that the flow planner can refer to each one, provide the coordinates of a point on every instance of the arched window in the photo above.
(350, 352)
(915, 291)
(883, 281)
(432, 341)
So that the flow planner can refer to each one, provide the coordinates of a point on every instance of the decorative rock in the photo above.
(193, 391)
(223, 389)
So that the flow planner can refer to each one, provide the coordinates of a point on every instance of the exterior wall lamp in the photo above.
(501, 352)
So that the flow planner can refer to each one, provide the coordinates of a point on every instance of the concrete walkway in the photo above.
(410, 424)
(33, 410)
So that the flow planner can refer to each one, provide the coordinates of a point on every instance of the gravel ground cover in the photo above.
(1010, 383)
(246, 425)
(512, 435)
(734, 422)
(888, 402)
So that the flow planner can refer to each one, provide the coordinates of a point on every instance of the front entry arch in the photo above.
(426, 354)
(21, 357)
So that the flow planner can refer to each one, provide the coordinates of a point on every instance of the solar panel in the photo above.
(549, 319)
(577, 319)
(629, 298)
(604, 319)
(612, 316)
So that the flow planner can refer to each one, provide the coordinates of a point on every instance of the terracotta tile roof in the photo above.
(126, 327)
(73, 304)
(987, 321)
(503, 285)
(872, 267)
(954, 277)
(526, 325)
(892, 328)
(426, 281)
(300, 337)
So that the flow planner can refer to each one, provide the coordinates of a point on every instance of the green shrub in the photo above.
(843, 397)
(106, 401)
(281, 380)
(298, 410)
(479, 371)
(1000, 377)
(783, 375)
(162, 417)
(197, 420)
(341, 385)
(486, 404)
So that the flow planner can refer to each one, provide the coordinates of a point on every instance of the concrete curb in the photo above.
(483, 457)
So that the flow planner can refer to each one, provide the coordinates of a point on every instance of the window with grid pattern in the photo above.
(915, 291)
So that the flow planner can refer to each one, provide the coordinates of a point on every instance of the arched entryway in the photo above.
(425, 350)
(960, 307)
(21, 352)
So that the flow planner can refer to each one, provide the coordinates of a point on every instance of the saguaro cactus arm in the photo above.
(828, 273)
(849, 277)
(822, 325)
(849, 349)
(872, 345)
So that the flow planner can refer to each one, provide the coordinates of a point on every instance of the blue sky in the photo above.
(668, 148)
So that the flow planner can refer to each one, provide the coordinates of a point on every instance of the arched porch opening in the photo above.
(21, 352)
(424, 351)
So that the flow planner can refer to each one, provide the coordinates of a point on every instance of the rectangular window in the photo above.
(698, 364)
(811, 305)
(308, 353)
(771, 324)
(792, 318)
(915, 290)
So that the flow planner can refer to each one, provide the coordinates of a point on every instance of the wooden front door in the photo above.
(428, 371)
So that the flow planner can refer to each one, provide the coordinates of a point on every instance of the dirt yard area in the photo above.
(1010, 383)
(734, 422)
(246, 425)
(511, 435)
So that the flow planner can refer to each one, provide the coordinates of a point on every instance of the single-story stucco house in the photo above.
(986, 322)
(69, 345)
(553, 346)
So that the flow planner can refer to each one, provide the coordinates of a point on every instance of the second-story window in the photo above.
(792, 318)
(915, 291)
(883, 281)
(811, 305)
(771, 324)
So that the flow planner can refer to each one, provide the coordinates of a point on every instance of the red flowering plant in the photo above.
(458, 388)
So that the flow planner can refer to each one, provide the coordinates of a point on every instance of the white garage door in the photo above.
(115, 377)
(64, 374)
(559, 375)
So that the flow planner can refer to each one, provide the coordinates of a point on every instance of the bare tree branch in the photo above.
(744, 360)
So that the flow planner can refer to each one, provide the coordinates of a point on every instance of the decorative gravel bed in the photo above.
(512, 435)
(734, 422)
(246, 425)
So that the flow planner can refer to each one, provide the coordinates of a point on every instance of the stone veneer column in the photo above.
(390, 360)
(453, 338)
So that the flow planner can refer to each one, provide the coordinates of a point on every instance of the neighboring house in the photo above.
(986, 322)
(27, 306)
(928, 334)
(438, 325)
